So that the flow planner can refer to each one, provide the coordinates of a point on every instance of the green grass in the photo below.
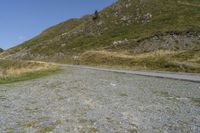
(14, 71)
(123, 94)
(28, 76)
(196, 100)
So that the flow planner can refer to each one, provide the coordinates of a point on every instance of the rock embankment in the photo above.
(169, 41)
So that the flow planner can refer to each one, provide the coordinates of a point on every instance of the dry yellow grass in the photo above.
(18, 71)
(159, 53)
(158, 60)
(10, 69)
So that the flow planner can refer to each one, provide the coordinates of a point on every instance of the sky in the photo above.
(20, 20)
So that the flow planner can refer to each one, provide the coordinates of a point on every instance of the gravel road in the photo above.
(170, 75)
(84, 100)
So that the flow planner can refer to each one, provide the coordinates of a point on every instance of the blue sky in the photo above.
(21, 20)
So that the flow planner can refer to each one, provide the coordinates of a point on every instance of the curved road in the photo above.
(84, 99)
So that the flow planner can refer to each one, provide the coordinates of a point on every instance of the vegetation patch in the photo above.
(160, 60)
(123, 94)
(92, 130)
(196, 100)
(132, 130)
(13, 71)
(41, 126)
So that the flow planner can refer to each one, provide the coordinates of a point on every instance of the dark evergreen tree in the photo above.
(96, 15)
(1, 50)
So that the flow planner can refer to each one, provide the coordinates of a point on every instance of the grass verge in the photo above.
(185, 61)
(14, 71)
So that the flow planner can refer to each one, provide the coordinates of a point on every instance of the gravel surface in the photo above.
(160, 74)
(82, 100)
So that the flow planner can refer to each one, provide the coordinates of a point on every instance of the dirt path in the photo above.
(86, 100)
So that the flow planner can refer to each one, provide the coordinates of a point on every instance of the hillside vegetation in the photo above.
(12, 71)
(140, 34)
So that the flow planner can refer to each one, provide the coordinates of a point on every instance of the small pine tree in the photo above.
(96, 15)
(1, 50)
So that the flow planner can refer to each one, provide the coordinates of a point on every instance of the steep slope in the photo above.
(127, 28)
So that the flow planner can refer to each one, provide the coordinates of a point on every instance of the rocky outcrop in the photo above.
(169, 41)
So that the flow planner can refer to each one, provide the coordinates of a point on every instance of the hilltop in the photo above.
(139, 34)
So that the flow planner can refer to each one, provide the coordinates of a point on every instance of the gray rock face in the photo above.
(169, 41)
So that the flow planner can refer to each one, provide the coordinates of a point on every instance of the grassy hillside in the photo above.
(12, 71)
(129, 28)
